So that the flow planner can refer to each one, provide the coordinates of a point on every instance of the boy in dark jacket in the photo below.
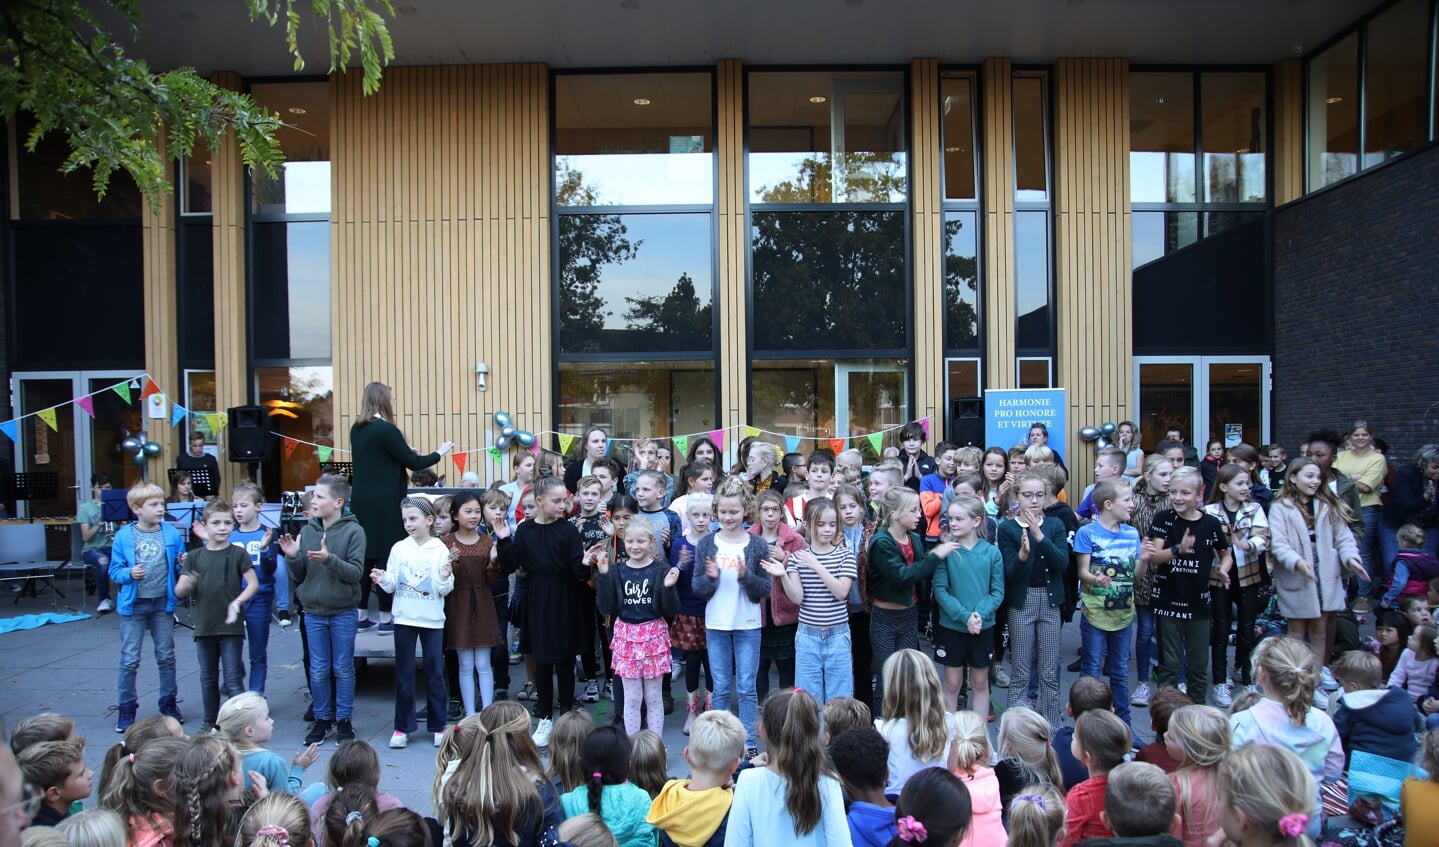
(1370, 717)
(1139, 808)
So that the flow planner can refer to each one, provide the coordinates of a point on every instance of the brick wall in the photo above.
(1356, 288)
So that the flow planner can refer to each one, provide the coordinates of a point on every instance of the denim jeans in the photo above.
(102, 570)
(1145, 648)
(257, 631)
(1094, 642)
(147, 615)
(222, 670)
(822, 662)
(1378, 570)
(332, 654)
(432, 644)
(734, 660)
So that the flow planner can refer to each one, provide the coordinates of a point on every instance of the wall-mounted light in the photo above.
(482, 370)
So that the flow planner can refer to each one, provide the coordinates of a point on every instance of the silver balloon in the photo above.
(1108, 428)
(503, 442)
(152, 449)
(140, 459)
(1089, 433)
(1101, 442)
(508, 432)
(502, 418)
(130, 445)
(525, 438)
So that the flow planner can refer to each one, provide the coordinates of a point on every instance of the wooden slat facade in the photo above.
(927, 222)
(228, 225)
(1288, 156)
(162, 355)
(440, 250)
(997, 172)
(733, 246)
(1092, 246)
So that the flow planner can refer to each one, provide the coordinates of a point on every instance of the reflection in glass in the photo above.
(195, 182)
(635, 283)
(1031, 280)
(957, 110)
(961, 281)
(1034, 373)
(1217, 222)
(1161, 138)
(1157, 234)
(634, 399)
(299, 404)
(303, 185)
(290, 282)
(636, 139)
(1396, 75)
(1236, 397)
(1166, 399)
(809, 397)
(1031, 138)
(1233, 135)
(827, 138)
(1333, 113)
(42, 193)
(962, 378)
(829, 280)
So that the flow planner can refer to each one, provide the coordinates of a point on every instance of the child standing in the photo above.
(222, 578)
(699, 478)
(822, 482)
(639, 593)
(649, 493)
(1187, 545)
(595, 528)
(732, 582)
(1109, 563)
(688, 631)
(274, 581)
(1101, 741)
(968, 588)
(779, 615)
(1108, 465)
(1247, 528)
(1198, 738)
(694, 811)
(419, 574)
(94, 531)
(915, 464)
(326, 564)
(142, 563)
(1036, 554)
(919, 730)
(932, 489)
(472, 627)
(818, 579)
(1151, 496)
(857, 530)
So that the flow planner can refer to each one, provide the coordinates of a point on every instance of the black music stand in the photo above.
(200, 481)
(114, 507)
(344, 469)
(32, 486)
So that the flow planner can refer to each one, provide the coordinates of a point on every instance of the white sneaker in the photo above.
(1327, 680)
(1184, 687)
(592, 692)
(439, 738)
(541, 735)
(1223, 697)
(105, 606)
(399, 741)
(1141, 695)
(1321, 700)
(1000, 677)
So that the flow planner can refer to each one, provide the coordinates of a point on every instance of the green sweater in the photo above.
(891, 579)
(382, 462)
(1053, 552)
(332, 586)
(969, 581)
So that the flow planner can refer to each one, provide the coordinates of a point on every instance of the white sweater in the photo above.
(413, 576)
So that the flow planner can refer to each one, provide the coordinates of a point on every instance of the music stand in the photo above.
(345, 469)
(114, 507)
(200, 481)
(33, 486)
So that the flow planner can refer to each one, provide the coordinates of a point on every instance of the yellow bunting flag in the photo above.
(566, 441)
(48, 416)
(751, 432)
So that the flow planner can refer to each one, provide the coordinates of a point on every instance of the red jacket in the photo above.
(1083, 805)
(778, 609)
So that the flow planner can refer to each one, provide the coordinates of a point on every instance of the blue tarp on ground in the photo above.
(36, 621)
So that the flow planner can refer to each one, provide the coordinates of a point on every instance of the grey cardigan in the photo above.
(756, 583)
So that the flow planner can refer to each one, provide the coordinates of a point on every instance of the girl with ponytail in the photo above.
(1267, 798)
(349, 811)
(607, 790)
(354, 767)
(1036, 816)
(142, 731)
(279, 820)
(137, 788)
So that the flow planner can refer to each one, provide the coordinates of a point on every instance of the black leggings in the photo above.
(786, 675)
(385, 598)
(693, 660)
(545, 688)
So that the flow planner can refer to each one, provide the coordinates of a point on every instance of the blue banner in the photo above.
(1010, 412)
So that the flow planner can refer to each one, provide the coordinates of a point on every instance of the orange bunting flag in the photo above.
(836, 445)
(150, 388)
(289, 446)
(460, 459)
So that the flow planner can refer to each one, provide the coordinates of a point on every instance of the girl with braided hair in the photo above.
(279, 820)
(207, 784)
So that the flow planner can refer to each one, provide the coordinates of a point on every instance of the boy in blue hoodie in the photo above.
(1370, 717)
(861, 756)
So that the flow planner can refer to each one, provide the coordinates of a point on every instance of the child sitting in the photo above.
(1417, 664)
(1371, 717)
(608, 791)
(354, 765)
(1413, 568)
(1101, 741)
(1162, 705)
(860, 757)
(1036, 816)
(1138, 808)
(1087, 694)
(1269, 798)
(1199, 739)
(842, 714)
(932, 809)
(971, 746)
(693, 812)
(1419, 798)
(57, 769)
(648, 768)
(246, 721)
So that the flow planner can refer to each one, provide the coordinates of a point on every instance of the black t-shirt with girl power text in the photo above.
(1181, 586)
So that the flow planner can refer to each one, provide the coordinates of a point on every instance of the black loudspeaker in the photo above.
(249, 438)
(966, 422)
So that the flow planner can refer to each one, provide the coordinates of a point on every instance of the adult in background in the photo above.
(596, 443)
(759, 468)
(15, 811)
(381, 461)
(1413, 498)
(1191, 455)
(1126, 438)
(1364, 464)
(198, 460)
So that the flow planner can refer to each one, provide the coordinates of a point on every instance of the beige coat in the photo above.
(1289, 544)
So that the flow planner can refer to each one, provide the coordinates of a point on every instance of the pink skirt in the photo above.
(641, 650)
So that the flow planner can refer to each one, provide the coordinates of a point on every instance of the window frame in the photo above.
(974, 206)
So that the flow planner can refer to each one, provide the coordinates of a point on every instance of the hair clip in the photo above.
(352, 817)
(1036, 799)
(278, 834)
(597, 775)
(1292, 826)
(131, 757)
(911, 829)
(372, 841)
(798, 690)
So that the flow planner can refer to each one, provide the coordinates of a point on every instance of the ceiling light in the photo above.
(1160, 100)
(817, 99)
(296, 110)
(642, 101)
(1332, 100)
(952, 149)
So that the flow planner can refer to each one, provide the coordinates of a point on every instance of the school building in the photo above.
(816, 218)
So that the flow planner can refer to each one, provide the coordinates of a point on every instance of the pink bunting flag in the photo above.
(717, 436)
(924, 424)
(87, 403)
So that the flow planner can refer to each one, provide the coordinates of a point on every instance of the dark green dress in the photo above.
(382, 462)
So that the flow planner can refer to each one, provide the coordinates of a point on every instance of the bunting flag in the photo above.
(924, 424)
(535, 450)
(494, 452)
(717, 436)
(87, 403)
(217, 421)
(751, 432)
(836, 445)
(135, 383)
(11, 430)
(682, 445)
(609, 442)
(876, 441)
(123, 389)
(48, 416)
(460, 459)
(791, 443)
(177, 414)
(289, 445)
(150, 388)
(324, 453)
(566, 442)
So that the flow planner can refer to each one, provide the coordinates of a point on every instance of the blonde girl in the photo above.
(648, 762)
(137, 789)
(1312, 546)
(1126, 438)
(278, 820)
(794, 799)
(971, 759)
(1198, 739)
(207, 782)
(919, 730)
(1025, 754)
(818, 579)
(1287, 675)
(897, 564)
(472, 625)
(968, 589)
(245, 720)
(419, 574)
(499, 793)
(857, 530)
(1247, 528)
(638, 594)
(779, 615)
(93, 828)
(1036, 554)
(1151, 496)
(1267, 798)
(730, 578)
(1036, 816)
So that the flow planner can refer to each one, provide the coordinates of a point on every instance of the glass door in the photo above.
(1225, 397)
(869, 398)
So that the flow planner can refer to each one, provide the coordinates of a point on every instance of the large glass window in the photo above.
(1334, 113)
(957, 116)
(303, 184)
(1031, 280)
(827, 138)
(1233, 137)
(810, 398)
(291, 290)
(1396, 79)
(1161, 138)
(40, 192)
(963, 315)
(961, 281)
(633, 139)
(1033, 244)
(299, 405)
(1031, 137)
(637, 398)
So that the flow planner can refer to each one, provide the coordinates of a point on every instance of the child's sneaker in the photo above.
(692, 708)
(541, 734)
(1223, 696)
(399, 741)
(169, 709)
(609, 693)
(105, 606)
(439, 738)
(527, 693)
(365, 624)
(1327, 680)
(1321, 700)
(386, 628)
(286, 619)
(1000, 676)
(319, 731)
(592, 692)
(127, 716)
(1141, 695)
(344, 731)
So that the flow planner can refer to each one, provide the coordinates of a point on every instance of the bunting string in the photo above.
(143, 382)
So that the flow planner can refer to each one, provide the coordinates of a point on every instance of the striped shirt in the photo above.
(820, 608)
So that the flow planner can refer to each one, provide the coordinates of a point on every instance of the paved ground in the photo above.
(71, 668)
